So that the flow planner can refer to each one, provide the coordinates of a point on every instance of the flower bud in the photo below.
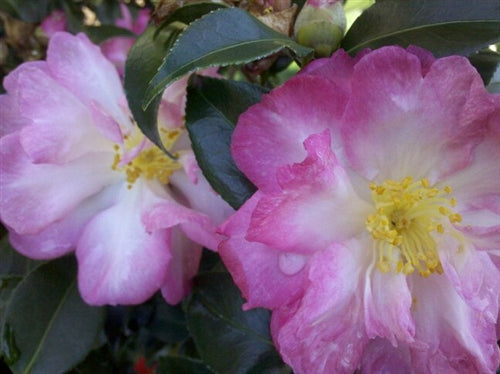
(321, 25)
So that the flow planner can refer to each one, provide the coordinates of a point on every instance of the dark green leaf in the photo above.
(169, 323)
(12, 263)
(230, 340)
(179, 364)
(486, 63)
(223, 37)
(98, 34)
(442, 26)
(190, 12)
(142, 63)
(27, 10)
(212, 110)
(48, 322)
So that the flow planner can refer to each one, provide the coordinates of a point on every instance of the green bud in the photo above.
(321, 25)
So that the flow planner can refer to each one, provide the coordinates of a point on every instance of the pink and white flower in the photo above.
(374, 236)
(77, 174)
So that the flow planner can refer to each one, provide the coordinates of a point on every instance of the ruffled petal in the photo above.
(119, 261)
(270, 134)
(387, 301)
(80, 66)
(451, 336)
(316, 207)
(338, 68)
(36, 195)
(182, 267)
(60, 126)
(324, 331)
(266, 277)
(381, 357)
(392, 103)
(473, 275)
(199, 195)
(167, 214)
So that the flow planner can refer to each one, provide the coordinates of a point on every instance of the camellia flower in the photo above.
(374, 235)
(76, 172)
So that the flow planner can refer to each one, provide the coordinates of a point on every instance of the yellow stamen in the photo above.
(406, 215)
(151, 162)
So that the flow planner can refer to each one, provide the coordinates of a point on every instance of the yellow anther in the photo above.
(407, 216)
(150, 162)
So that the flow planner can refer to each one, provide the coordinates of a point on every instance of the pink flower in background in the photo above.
(374, 236)
(77, 174)
(117, 48)
(54, 22)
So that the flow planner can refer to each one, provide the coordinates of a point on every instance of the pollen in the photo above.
(150, 162)
(407, 215)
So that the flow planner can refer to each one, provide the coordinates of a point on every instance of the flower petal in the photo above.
(451, 337)
(264, 279)
(61, 236)
(60, 126)
(388, 301)
(317, 206)
(119, 262)
(270, 134)
(324, 331)
(167, 214)
(80, 66)
(36, 195)
(182, 267)
(392, 104)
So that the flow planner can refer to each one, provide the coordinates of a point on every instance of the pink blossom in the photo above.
(54, 22)
(374, 235)
(117, 48)
(77, 174)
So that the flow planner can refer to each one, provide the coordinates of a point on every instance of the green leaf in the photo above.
(181, 364)
(444, 27)
(487, 63)
(190, 12)
(212, 110)
(142, 63)
(228, 339)
(169, 323)
(223, 37)
(12, 263)
(98, 34)
(47, 321)
(27, 10)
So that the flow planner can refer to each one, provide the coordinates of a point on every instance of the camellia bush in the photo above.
(261, 186)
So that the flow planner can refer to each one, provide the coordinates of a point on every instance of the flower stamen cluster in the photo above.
(407, 213)
(151, 162)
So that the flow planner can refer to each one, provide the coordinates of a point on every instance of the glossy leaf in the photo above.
(48, 322)
(444, 27)
(190, 12)
(486, 63)
(142, 63)
(220, 38)
(98, 34)
(212, 111)
(228, 339)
